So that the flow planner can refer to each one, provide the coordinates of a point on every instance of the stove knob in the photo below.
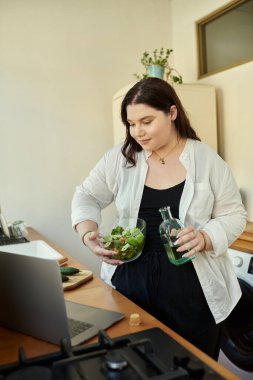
(115, 361)
(237, 261)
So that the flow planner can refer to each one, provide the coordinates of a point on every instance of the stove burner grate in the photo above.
(146, 355)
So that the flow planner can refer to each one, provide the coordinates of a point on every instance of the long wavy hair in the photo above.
(158, 94)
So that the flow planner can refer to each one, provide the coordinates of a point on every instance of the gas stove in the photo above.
(147, 355)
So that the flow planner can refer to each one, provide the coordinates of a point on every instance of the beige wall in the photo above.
(234, 93)
(61, 61)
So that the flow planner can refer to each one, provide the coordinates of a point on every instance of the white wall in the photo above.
(234, 93)
(61, 62)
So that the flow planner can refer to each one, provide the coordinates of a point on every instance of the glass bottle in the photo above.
(168, 229)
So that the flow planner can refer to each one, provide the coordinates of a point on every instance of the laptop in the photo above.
(32, 302)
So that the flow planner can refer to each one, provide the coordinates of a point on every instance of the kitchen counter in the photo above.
(245, 241)
(95, 293)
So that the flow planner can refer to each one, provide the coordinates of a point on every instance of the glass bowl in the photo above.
(128, 243)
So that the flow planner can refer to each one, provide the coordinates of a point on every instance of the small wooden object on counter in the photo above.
(77, 279)
(135, 319)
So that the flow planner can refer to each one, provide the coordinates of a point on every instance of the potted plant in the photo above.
(157, 65)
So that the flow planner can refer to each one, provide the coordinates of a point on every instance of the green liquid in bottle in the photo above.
(174, 256)
(169, 230)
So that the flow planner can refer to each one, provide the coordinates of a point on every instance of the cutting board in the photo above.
(77, 279)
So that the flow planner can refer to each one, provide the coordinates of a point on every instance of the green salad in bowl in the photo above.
(127, 243)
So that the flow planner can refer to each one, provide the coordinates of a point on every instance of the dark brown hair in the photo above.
(158, 94)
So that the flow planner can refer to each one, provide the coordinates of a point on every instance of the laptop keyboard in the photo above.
(77, 327)
(6, 241)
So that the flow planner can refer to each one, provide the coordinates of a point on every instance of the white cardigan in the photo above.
(210, 201)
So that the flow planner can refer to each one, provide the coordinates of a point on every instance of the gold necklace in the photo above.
(162, 159)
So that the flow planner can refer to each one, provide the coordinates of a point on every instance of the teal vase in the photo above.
(156, 71)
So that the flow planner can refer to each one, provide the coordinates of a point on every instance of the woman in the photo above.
(163, 163)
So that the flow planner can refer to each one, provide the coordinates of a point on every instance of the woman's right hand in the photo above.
(92, 241)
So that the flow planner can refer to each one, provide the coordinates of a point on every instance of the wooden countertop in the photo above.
(245, 241)
(95, 293)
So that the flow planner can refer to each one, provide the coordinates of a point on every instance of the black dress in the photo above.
(170, 293)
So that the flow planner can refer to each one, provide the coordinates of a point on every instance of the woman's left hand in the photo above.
(192, 240)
